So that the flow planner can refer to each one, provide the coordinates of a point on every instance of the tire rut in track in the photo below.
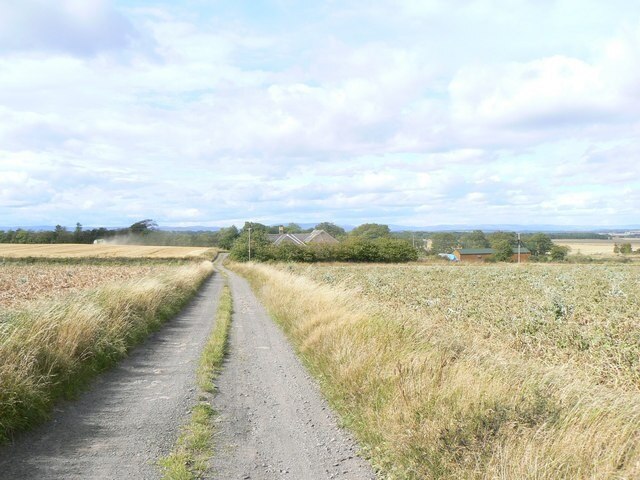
(273, 422)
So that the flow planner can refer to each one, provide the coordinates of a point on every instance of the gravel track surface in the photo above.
(131, 415)
(273, 422)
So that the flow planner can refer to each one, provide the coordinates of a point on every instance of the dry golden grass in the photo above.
(69, 250)
(26, 283)
(473, 372)
(596, 247)
(50, 349)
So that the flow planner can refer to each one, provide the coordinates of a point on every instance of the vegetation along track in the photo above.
(478, 372)
(273, 423)
(130, 416)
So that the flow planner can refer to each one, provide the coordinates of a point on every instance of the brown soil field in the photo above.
(596, 247)
(20, 284)
(70, 250)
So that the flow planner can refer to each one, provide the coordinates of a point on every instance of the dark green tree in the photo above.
(443, 242)
(77, 233)
(626, 248)
(393, 250)
(559, 253)
(259, 246)
(293, 228)
(475, 239)
(143, 227)
(60, 234)
(226, 237)
(371, 231)
(496, 239)
(503, 250)
(255, 226)
(332, 229)
(539, 244)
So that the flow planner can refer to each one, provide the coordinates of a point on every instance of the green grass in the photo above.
(189, 458)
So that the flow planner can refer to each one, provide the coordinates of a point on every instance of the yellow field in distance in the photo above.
(71, 250)
(596, 247)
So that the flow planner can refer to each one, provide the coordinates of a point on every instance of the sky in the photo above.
(414, 112)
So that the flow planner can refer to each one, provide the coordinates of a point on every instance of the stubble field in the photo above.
(487, 371)
(60, 324)
(69, 250)
(596, 247)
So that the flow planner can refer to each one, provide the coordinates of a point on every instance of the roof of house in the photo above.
(487, 251)
(295, 238)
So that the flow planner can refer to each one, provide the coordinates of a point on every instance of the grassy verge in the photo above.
(194, 446)
(51, 350)
(431, 398)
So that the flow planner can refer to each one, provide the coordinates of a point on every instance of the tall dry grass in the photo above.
(431, 398)
(51, 349)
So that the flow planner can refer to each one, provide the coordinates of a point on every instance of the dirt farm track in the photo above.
(10, 250)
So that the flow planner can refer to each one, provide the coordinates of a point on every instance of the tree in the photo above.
(259, 245)
(539, 244)
(503, 250)
(559, 252)
(475, 239)
(293, 228)
(255, 226)
(395, 250)
(625, 248)
(496, 239)
(443, 242)
(331, 229)
(77, 233)
(61, 235)
(371, 231)
(226, 237)
(143, 227)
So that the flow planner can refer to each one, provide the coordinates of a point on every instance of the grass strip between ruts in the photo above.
(189, 457)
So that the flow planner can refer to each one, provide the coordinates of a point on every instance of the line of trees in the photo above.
(540, 244)
(370, 242)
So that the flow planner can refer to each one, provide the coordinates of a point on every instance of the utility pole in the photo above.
(518, 248)
(249, 228)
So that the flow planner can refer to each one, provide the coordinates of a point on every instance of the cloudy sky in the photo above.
(415, 112)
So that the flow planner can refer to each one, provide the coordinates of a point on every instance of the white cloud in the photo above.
(117, 113)
(82, 27)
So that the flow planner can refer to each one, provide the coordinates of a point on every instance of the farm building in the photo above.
(317, 236)
(481, 254)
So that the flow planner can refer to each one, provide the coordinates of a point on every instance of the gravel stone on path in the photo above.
(273, 422)
(131, 415)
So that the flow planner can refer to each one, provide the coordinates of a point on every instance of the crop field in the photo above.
(101, 251)
(21, 284)
(487, 371)
(596, 247)
(62, 324)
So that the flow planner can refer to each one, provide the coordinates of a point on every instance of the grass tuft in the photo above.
(51, 350)
(189, 458)
(448, 373)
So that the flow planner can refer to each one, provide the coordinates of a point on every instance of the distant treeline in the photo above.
(579, 236)
(144, 232)
(419, 236)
